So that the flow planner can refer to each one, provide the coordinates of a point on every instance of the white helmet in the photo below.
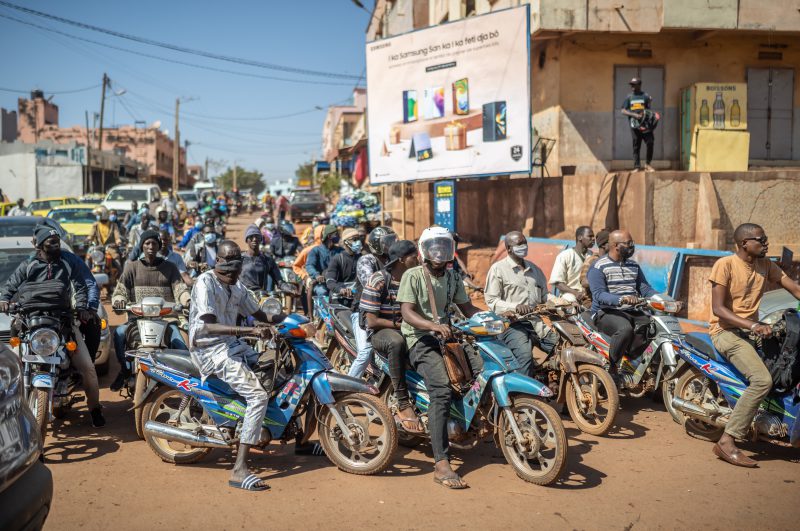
(160, 209)
(101, 212)
(437, 245)
(260, 222)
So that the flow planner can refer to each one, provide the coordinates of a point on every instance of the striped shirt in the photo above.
(609, 281)
(376, 299)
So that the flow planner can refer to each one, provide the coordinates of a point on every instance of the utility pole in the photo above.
(176, 156)
(234, 175)
(205, 172)
(100, 141)
(89, 184)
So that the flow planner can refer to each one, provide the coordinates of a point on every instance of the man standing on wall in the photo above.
(634, 108)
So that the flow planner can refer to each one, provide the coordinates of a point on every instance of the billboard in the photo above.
(452, 100)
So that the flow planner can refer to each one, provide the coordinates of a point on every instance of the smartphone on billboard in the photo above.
(461, 97)
(409, 106)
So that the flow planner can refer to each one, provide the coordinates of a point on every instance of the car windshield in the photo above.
(127, 195)
(9, 260)
(188, 196)
(78, 215)
(45, 204)
(307, 198)
(23, 227)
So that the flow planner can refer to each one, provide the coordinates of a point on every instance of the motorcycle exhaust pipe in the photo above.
(170, 433)
(695, 411)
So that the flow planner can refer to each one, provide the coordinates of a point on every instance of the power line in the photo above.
(173, 61)
(53, 92)
(177, 48)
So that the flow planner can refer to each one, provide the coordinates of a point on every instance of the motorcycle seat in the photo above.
(343, 318)
(178, 360)
(702, 343)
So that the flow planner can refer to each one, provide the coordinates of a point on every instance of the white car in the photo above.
(14, 249)
(120, 197)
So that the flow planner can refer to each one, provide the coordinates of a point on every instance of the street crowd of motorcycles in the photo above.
(183, 417)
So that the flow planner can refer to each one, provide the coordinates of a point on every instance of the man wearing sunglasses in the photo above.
(738, 283)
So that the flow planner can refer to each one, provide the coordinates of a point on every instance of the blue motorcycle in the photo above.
(708, 386)
(186, 417)
(508, 406)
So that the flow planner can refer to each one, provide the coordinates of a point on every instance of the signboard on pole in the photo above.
(444, 204)
(452, 100)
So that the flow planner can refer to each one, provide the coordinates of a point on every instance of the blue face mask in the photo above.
(112, 218)
(355, 246)
(210, 238)
(97, 217)
(198, 225)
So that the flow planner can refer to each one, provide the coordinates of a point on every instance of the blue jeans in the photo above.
(364, 348)
(320, 290)
(173, 334)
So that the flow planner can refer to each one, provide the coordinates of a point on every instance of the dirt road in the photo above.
(646, 474)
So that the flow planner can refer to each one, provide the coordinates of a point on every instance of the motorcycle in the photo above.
(502, 404)
(186, 416)
(708, 386)
(49, 381)
(645, 372)
(149, 335)
(331, 311)
(292, 290)
(576, 374)
(100, 260)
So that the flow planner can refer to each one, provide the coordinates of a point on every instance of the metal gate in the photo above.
(769, 112)
(653, 83)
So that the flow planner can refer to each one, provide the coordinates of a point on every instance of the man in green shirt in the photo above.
(421, 322)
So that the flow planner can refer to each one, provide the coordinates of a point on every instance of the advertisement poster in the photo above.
(452, 100)
(721, 105)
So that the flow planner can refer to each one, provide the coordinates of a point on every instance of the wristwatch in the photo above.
(752, 326)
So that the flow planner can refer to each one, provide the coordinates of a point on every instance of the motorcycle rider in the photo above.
(284, 242)
(259, 271)
(203, 254)
(135, 234)
(381, 316)
(319, 257)
(308, 234)
(47, 268)
(190, 234)
(516, 285)
(168, 254)
(164, 221)
(281, 207)
(616, 283)
(437, 248)
(738, 283)
(218, 299)
(566, 274)
(602, 250)
(149, 276)
(106, 233)
(299, 268)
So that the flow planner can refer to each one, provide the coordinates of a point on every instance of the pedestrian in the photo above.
(19, 210)
(634, 108)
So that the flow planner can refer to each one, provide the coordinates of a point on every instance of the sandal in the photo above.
(453, 481)
(251, 482)
(410, 425)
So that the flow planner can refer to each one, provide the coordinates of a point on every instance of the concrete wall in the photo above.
(776, 15)
(18, 176)
(60, 180)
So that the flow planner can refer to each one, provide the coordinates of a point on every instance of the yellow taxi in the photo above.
(5, 207)
(40, 207)
(77, 220)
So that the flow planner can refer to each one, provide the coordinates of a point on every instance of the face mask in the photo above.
(627, 252)
(355, 246)
(112, 217)
(210, 238)
(335, 240)
(97, 217)
(520, 250)
(315, 223)
(229, 266)
(198, 225)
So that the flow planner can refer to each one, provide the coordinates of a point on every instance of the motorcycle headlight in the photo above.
(97, 256)
(489, 328)
(44, 342)
(151, 310)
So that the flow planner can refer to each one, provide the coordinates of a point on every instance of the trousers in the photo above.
(637, 137)
(742, 354)
(391, 344)
(522, 336)
(426, 358)
(82, 360)
(620, 326)
(364, 354)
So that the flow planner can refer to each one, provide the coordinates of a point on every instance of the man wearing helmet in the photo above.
(164, 221)
(319, 257)
(424, 316)
(103, 231)
(285, 243)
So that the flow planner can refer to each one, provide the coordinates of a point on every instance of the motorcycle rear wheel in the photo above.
(688, 388)
(37, 402)
(161, 406)
(541, 425)
(597, 410)
(372, 426)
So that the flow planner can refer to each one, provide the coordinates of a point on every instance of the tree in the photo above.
(330, 184)
(305, 171)
(244, 179)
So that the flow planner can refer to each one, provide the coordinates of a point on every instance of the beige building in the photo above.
(150, 147)
(340, 124)
(583, 53)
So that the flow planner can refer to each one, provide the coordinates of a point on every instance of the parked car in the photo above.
(77, 220)
(305, 205)
(26, 484)
(93, 199)
(5, 207)
(15, 245)
(40, 207)
(119, 198)
(190, 197)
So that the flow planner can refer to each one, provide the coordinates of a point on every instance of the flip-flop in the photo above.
(309, 449)
(251, 482)
(414, 428)
(448, 482)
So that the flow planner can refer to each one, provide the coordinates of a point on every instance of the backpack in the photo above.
(45, 294)
(784, 363)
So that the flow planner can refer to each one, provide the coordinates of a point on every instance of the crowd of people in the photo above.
(402, 294)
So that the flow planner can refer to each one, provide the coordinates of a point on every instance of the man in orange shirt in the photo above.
(299, 266)
(738, 283)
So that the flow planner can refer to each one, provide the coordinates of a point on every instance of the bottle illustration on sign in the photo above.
(704, 117)
(719, 112)
(736, 114)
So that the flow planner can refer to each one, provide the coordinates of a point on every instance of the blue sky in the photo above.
(320, 35)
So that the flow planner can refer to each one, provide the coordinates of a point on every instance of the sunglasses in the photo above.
(763, 240)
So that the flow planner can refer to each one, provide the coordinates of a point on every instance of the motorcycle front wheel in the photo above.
(38, 402)
(544, 452)
(371, 428)
(596, 411)
(163, 406)
(694, 387)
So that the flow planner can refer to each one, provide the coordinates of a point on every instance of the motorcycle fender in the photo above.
(43, 381)
(329, 382)
(151, 384)
(572, 356)
(504, 385)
